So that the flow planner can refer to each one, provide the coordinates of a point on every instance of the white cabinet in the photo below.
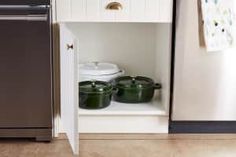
(63, 10)
(125, 32)
(126, 44)
(68, 87)
(78, 9)
(152, 11)
(114, 10)
(92, 10)
(165, 10)
(138, 9)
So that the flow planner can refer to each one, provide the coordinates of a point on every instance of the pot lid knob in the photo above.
(93, 84)
(133, 80)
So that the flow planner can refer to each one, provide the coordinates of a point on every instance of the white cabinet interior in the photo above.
(140, 49)
(114, 10)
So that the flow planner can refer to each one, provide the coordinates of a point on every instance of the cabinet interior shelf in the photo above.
(154, 108)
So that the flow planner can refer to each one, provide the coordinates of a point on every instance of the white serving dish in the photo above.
(99, 71)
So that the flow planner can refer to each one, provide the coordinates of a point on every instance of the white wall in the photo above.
(205, 83)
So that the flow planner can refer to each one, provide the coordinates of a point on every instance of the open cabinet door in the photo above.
(69, 89)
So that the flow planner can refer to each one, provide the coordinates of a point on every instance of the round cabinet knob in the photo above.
(114, 6)
(70, 46)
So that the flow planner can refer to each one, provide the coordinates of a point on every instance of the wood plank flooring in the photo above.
(30, 148)
(158, 146)
(126, 146)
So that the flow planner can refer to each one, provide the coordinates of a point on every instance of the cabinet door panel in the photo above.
(63, 10)
(78, 10)
(152, 10)
(166, 7)
(124, 13)
(137, 12)
(132, 11)
(93, 10)
(69, 89)
(107, 15)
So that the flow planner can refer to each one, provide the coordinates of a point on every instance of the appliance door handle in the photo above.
(31, 17)
(23, 7)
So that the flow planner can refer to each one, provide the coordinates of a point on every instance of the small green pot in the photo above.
(94, 94)
(134, 89)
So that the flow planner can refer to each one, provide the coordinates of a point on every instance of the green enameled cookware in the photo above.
(134, 89)
(94, 94)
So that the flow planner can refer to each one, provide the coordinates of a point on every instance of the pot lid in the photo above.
(133, 82)
(98, 68)
(94, 87)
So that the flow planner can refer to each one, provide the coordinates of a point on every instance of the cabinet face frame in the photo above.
(161, 34)
(65, 13)
(63, 10)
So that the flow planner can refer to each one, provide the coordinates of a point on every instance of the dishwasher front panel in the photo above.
(25, 2)
(25, 68)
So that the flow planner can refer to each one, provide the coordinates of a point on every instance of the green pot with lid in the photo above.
(94, 94)
(137, 89)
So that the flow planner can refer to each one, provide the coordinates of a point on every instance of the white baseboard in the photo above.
(123, 124)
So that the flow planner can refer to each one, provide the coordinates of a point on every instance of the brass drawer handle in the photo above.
(114, 6)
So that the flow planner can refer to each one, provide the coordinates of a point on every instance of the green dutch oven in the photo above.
(94, 94)
(134, 89)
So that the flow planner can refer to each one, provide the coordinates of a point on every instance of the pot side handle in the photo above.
(157, 86)
(115, 90)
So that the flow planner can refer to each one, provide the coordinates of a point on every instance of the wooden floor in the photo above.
(126, 146)
(30, 148)
(158, 146)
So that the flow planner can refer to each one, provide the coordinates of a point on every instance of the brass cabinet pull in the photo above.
(70, 46)
(114, 6)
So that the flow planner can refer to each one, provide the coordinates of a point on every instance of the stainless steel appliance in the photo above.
(204, 93)
(25, 69)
